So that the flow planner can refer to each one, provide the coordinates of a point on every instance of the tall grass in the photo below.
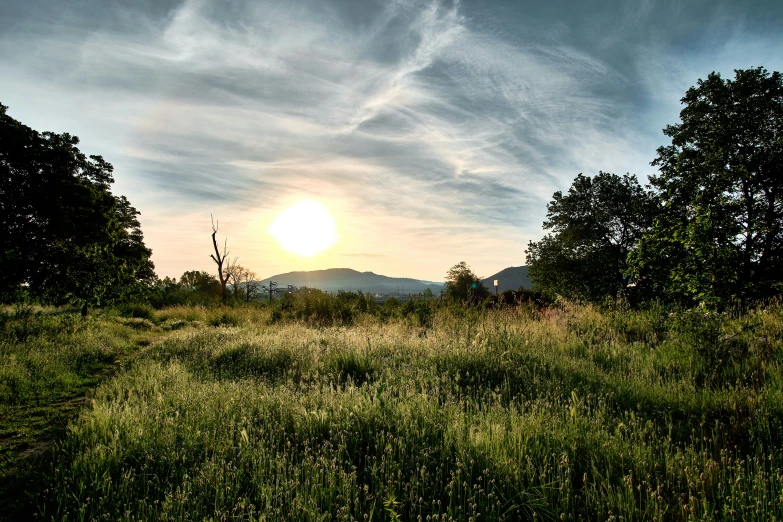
(568, 413)
(47, 355)
(49, 359)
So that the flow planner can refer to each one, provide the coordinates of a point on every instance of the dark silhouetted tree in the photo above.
(194, 288)
(719, 238)
(594, 226)
(65, 236)
(463, 284)
(220, 261)
(204, 285)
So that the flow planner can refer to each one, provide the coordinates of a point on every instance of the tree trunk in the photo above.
(219, 260)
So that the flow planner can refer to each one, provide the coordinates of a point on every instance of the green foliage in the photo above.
(66, 237)
(420, 309)
(390, 309)
(25, 321)
(463, 285)
(322, 309)
(55, 352)
(349, 366)
(594, 226)
(223, 319)
(719, 239)
(136, 311)
(519, 297)
(193, 288)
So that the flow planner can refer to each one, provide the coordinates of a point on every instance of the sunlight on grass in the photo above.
(512, 414)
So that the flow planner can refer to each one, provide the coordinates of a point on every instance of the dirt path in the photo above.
(30, 431)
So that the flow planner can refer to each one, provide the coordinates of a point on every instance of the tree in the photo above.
(220, 261)
(201, 282)
(244, 282)
(463, 284)
(194, 288)
(66, 237)
(594, 226)
(720, 236)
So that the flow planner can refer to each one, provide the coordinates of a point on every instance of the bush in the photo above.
(318, 308)
(136, 311)
(420, 309)
(223, 319)
(490, 302)
(23, 323)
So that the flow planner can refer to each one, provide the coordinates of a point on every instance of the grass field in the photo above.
(567, 413)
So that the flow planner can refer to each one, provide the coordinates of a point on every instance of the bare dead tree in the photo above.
(219, 259)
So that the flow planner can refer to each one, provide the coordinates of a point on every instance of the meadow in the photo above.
(440, 413)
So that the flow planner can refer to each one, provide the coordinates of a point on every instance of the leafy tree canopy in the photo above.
(719, 237)
(200, 281)
(463, 284)
(193, 288)
(594, 226)
(66, 237)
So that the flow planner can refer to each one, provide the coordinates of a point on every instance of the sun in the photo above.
(306, 228)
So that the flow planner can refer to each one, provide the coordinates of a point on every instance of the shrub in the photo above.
(136, 311)
(223, 319)
(318, 308)
(420, 310)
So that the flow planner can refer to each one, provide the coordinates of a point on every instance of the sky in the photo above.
(433, 132)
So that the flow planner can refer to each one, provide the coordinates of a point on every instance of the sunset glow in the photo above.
(306, 228)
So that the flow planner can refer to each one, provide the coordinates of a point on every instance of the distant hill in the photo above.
(510, 278)
(334, 279)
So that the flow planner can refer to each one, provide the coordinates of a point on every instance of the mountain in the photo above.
(334, 279)
(510, 278)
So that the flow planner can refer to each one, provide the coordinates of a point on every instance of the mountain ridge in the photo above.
(511, 278)
(348, 279)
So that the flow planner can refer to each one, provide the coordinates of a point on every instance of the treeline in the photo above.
(707, 230)
(319, 308)
(202, 288)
